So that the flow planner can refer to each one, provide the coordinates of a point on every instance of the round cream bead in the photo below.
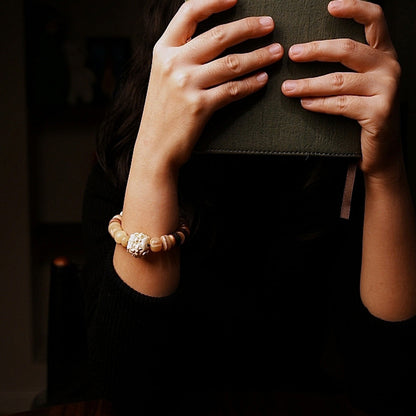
(124, 240)
(156, 245)
(165, 242)
(168, 241)
(119, 235)
(172, 241)
(113, 228)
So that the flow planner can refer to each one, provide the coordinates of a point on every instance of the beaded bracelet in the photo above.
(140, 244)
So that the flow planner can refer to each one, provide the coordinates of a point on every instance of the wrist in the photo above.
(151, 195)
(152, 163)
(383, 161)
(391, 175)
(167, 146)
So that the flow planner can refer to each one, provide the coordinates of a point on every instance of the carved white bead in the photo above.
(138, 244)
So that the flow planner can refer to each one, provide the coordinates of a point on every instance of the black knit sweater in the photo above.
(269, 301)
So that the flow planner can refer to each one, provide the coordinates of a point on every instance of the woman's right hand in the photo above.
(189, 81)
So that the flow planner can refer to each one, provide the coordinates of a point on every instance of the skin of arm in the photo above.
(188, 82)
(369, 95)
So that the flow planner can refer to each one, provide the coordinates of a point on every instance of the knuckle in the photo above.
(348, 46)
(233, 89)
(391, 86)
(248, 87)
(157, 50)
(378, 12)
(396, 70)
(232, 63)
(188, 8)
(337, 80)
(382, 111)
(195, 104)
(262, 58)
(181, 78)
(303, 85)
(250, 25)
(167, 63)
(342, 103)
(313, 48)
(217, 33)
(392, 78)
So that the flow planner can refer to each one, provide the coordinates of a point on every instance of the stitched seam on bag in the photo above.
(271, 152)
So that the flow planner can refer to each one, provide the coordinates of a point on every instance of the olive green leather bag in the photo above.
(268, 122)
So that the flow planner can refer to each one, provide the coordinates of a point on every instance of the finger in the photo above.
(342, 105)
(370, 15)
(185, 21)
(352, 54)
(212, 43)
(337, 83)
(236, 65)
(231, 91)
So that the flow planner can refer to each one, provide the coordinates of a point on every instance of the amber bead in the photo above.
(156, 245)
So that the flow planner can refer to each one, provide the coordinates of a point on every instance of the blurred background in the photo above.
(60, 61)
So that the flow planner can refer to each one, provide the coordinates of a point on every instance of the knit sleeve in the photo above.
(130, 335)
(384, 364)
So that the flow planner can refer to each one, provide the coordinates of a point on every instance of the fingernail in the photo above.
(306, 102)
(289, 86)
(262, 77)
(296, 50)
(275, 49)
(266, 21)
(335, 4)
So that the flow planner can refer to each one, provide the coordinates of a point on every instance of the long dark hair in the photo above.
(118, 131)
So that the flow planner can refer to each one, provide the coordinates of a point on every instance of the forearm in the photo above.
(150, 206)
(388, 274)
(189, 81)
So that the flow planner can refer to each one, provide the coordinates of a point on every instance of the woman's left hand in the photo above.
(368, 95)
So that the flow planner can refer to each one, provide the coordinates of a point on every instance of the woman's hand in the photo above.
(368, 95)
(189, 81)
